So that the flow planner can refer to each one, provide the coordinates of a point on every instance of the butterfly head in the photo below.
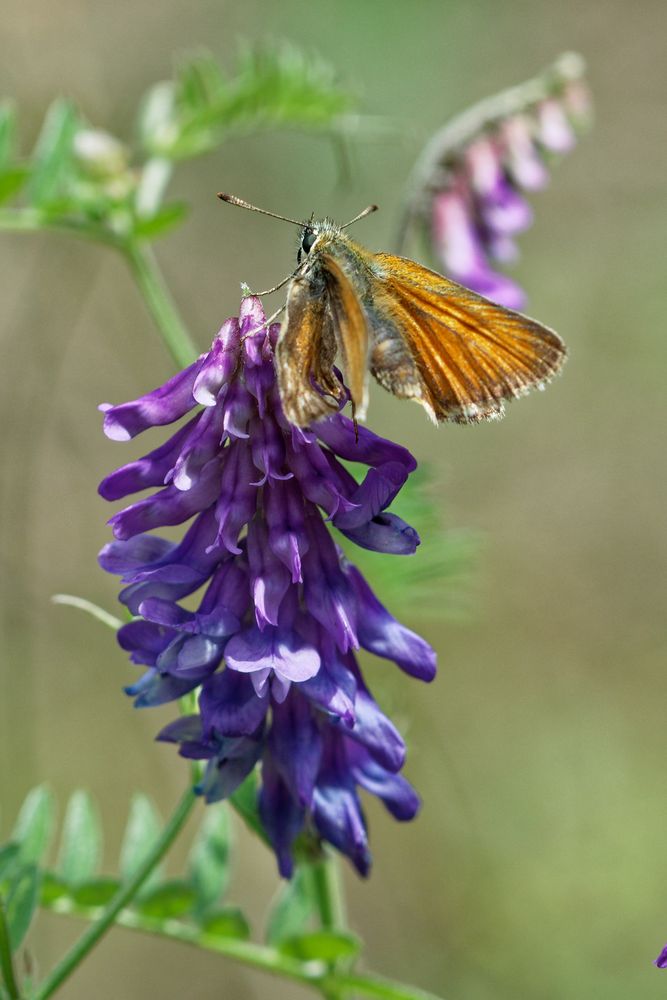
(313, 234)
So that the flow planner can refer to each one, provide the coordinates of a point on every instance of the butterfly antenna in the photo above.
(231, 199)
(362, 215)
(269, 291)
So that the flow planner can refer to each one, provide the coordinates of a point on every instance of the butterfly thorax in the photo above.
(322, 240)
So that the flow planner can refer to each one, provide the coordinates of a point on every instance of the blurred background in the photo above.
(537, 867)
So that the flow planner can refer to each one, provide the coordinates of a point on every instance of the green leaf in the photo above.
(95, 893)
(12, 180)
(200, 81)
(165, 219)
(293, 907)
(53, 888)
(81, 840)
(274, 87)
(168, 901)
(327, 946)
(283, 85)
(143, 829)
(7, 133)
(226, 922)
(22, 902)
(52, 157)
(9, 856)
(34, 825)
(209, 862)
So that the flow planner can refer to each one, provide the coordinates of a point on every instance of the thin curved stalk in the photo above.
(149, 278)
(457, 133)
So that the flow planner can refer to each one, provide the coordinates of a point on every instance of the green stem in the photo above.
(142, 263)
(94, 610)
(6, 963)
(32, 220)
(126, 893)
(329, 982)
(368, 985)
(248, 953)
(148, 276)
(329, 892)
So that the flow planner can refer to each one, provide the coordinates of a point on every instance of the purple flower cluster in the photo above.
(271, 646)
(477, 204)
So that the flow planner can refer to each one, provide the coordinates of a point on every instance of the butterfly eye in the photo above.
(307, 240)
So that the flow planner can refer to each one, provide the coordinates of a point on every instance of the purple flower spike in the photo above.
(469, 187)
(270, 644)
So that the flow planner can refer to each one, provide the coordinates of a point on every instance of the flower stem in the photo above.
(330, 901)
(329, 892)
(126, 893)
(6, 963)
(149, 278)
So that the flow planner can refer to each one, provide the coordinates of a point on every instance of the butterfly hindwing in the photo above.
(305, 353)
(350, 327)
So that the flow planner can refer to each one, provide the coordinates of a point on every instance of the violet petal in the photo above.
(162, 406)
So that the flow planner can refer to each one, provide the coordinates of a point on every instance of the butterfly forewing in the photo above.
(468, 354)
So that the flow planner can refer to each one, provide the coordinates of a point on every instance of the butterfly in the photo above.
(421, 336)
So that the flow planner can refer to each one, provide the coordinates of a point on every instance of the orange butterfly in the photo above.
(422, 336)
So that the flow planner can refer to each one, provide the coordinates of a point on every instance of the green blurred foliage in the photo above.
(84, 179)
